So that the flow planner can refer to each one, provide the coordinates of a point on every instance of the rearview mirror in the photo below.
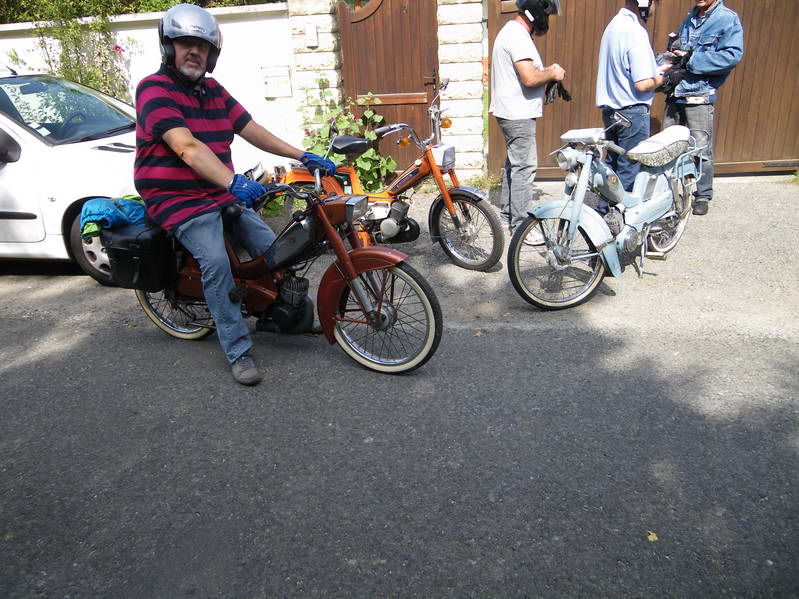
(9, 148)
(622, 120)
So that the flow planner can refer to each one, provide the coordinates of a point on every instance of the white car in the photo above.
(61, 143)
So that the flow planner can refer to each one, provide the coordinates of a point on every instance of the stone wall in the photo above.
(460, 56)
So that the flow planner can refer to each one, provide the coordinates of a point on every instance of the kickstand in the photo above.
(643, 256)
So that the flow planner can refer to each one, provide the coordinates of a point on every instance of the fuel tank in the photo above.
(296, 240)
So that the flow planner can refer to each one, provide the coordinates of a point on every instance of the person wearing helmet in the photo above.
(711, 44)
(518, 83)
(184, 171)
(626, 81)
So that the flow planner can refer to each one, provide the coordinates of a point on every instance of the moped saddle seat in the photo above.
(350, 146)
(661, 148)
(583, 136)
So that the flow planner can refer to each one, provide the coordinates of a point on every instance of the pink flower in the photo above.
(307, 133)
(118, 49)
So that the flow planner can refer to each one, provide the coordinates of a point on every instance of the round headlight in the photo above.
(571, 179)
(562, 161)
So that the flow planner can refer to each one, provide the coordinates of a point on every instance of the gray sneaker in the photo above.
(245, 371)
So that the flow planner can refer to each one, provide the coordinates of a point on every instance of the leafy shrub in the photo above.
(319, 114)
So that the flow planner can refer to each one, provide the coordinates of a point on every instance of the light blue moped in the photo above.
(559, 255)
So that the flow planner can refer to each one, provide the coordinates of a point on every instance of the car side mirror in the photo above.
(10, 150)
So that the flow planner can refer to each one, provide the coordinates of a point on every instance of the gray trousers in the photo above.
(203, 237)
(520, 168)
(699, 119)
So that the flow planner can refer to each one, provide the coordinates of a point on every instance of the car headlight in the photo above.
(357, 206)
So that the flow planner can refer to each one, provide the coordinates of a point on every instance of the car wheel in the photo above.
(90, 254)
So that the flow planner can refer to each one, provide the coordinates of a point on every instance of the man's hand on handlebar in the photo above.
(246, 190)
(315, 162)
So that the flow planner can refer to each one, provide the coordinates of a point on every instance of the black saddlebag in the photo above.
(141, 257)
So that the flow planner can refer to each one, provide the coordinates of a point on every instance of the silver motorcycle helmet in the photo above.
(538, 11)
(189, 20)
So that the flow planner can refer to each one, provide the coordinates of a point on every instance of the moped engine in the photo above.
(629, 239)
(392, 224)
(614, 220)
(397, 227)
(292, 313)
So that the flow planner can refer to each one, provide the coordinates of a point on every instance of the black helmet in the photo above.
(188, 20)
(643, 8)
(538, 12)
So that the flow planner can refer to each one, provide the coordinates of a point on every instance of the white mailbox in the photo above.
(277, 82)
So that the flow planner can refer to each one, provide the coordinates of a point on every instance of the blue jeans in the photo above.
(627, 138)
(203, 237)
(699, 119)
(520, 168)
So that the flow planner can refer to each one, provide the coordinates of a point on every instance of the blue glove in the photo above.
(315, 162)
(246, 189)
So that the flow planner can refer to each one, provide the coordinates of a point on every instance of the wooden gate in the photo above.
(390, 49)
(757, 123)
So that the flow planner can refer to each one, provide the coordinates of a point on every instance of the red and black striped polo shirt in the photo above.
(173, 192)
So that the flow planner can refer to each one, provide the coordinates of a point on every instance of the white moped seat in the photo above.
(661, 148)
(583, 136)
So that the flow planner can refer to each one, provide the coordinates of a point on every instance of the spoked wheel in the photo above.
(406, 332)
(664, 235)
(477, 244)
(184, 319)
(554, 275)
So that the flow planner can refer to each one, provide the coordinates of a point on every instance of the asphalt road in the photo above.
(645, 444)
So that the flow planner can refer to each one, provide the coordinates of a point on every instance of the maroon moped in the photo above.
(380, 310)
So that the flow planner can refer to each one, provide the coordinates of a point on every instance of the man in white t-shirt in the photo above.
(518, 82)
(626, 82)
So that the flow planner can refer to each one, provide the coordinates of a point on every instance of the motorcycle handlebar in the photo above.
(617, 149)
(383, 131)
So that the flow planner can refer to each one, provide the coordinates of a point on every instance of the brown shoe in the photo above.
(245, 371)
(701, 207)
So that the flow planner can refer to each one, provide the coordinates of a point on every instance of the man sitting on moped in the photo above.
(184, 172)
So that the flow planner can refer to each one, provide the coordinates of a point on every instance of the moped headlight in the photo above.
(567, 158)
(357, 206)
(571, 179)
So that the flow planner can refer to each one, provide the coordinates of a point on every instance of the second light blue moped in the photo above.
(559, 255)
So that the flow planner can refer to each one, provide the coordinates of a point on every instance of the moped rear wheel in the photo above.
(408, 329)
(477, 244)
(665, 235)
(184, 319)
(554, 276)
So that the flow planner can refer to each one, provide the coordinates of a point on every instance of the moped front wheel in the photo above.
(555, 274)
(184, 319)
(477, 242)
(406, 329)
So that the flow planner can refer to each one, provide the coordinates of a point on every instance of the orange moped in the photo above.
(460, 218)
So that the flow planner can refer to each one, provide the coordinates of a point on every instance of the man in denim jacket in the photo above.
(714, 36)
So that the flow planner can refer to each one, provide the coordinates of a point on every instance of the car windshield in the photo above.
(61, 111)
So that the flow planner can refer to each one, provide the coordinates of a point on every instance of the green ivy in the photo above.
(321, 111)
